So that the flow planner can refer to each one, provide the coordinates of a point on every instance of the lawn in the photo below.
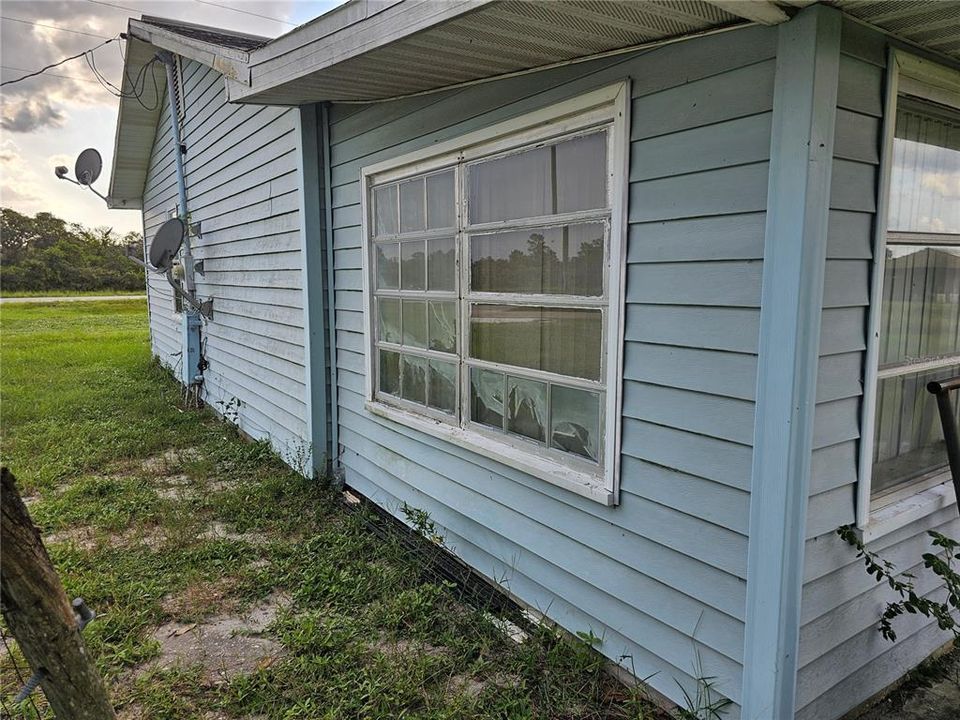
(228, 586)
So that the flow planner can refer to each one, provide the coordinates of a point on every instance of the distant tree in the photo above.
(43, 252)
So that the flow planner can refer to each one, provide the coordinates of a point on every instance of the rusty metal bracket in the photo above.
(951, 435)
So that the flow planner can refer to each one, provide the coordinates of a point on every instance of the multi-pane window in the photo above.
(920, 312)
(490, 294)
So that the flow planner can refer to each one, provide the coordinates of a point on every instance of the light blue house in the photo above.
(637, 300)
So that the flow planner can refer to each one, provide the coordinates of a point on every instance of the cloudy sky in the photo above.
(48, 120)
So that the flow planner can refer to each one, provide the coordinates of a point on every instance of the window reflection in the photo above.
(925, 177)
(564, 260)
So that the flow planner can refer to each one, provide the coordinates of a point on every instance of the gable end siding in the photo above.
(242, 183)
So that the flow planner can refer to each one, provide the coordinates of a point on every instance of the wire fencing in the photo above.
(12, 659)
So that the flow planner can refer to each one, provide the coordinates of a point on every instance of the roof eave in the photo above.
(127, 171)
(350, 30)
(232, 63)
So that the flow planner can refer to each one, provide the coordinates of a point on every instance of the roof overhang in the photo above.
(136, 126)
(369, 50)
(140, 106)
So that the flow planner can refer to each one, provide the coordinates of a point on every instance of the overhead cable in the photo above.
(59, 62)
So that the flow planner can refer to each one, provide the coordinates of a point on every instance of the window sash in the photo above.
(891, 421)
(466, 298)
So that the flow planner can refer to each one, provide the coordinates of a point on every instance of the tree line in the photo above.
(43, 252)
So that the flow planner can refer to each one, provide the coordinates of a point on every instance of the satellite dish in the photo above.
(88, 167)
(166, 244)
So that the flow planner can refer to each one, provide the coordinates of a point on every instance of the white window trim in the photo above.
(607, 105)
(877, 516)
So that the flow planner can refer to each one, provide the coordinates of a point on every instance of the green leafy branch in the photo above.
(940, 563)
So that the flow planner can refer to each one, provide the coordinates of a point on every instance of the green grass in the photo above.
(371, 630)
(65, 293)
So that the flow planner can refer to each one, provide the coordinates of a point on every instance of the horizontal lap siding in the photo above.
(662, 573)
(241, 176)
(843, 658)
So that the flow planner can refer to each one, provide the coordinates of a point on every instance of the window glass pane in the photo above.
(527, 408)
(909, 438)
(575, 421)
(441, 205)
(515, 186)
(385, 209)
(443, 386)
(412, 266)
(389, 372)
(567, 341)
(556, 261)
(925, 175)
(486, 397)
(582, 173)
(415, 323)
(414, 384)
(411, 205)
(389, 329)
(921, 305)
(388, 267)
(565, 177)
(442, 322)
(441, 264)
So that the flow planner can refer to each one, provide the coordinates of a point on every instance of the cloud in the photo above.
(19, 182)
(24, 115)
(946, 184)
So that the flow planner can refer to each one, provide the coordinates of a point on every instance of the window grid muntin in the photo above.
(465, 298)
(934, 362)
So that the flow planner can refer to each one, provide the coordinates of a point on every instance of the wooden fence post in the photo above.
(38, 613)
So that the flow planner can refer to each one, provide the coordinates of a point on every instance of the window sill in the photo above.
(901, 513)
(583, 484)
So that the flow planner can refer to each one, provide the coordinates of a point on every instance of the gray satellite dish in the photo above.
(88, 167)
(166, 244)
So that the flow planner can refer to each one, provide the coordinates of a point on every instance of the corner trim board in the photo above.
(798, 199)
(331, 287)
(311, 236)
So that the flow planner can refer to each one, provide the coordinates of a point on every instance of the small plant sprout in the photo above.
(940, 563)
(421, 521)
(230, 410)
(705, 703)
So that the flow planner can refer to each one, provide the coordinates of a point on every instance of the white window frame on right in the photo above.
(595, 298)
(886, 509)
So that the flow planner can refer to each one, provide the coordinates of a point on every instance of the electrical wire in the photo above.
(65, 77)
(138, 85)
(52, 27)
(59, 62)
(119, 7)
(245, 12)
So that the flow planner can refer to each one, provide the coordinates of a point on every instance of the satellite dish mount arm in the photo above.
(204, 308)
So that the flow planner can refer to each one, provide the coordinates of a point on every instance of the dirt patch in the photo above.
(392, 646)
(471, 687)
(200, 599)
(151, 537)
(466, 685)
(161, 464)
(222, 485)
(83, 537)
(222, 531)
(225, 645)
(87, 538)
